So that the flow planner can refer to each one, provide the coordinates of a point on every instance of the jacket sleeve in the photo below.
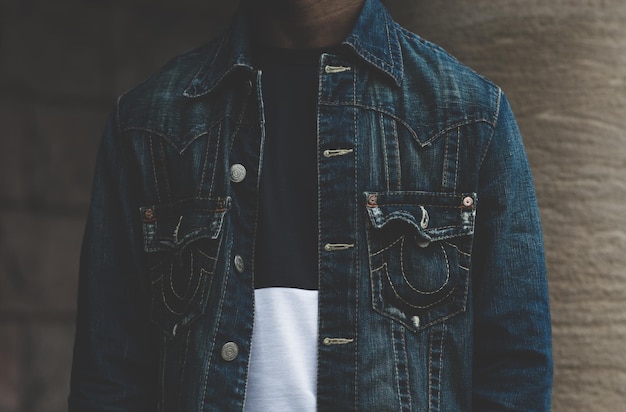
(114, 367)
(512, 332)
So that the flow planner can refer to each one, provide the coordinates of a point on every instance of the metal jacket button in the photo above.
(239, 265)
(230, 350)
(237, 173)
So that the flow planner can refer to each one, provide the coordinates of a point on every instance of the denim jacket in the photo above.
(432, 283)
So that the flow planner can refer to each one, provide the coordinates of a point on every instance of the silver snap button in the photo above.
(468, 201)
(230, 350)
(239, 265)
(237, 173)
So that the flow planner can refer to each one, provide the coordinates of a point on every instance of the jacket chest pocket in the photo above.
(182, 245)
(419, 254)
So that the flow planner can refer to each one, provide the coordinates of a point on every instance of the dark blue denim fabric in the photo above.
(432, 284)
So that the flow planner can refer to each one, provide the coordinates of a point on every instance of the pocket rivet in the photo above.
(468, 201)
(372, 200)
(148, 214)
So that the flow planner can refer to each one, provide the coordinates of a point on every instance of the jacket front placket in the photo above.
(338, 247)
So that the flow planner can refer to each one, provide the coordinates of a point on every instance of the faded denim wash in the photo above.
(432, 283)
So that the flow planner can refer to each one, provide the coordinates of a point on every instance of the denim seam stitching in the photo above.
(356, 241)
(398, 159)
(188, 199)
(163, 298)
(374, 279)
(457, 249)
(421, 292)
(431, 389)
(168, 190)
(375, 109)
(406, 366)
(388, 246)
(493, 124)
(395, 292)
(319, 224)
(118, 126)
(217, 323)
(384, 145)
(215, 161)
(170, 141)
(444, 180)
(188, 282)
(182, 369)
(458, 151)
(163, 293)
(208, 257)
(441, 360)
(395, 364)
(432, 138)
(205, 164)
(430, 369)
(422, 204)
(205, 66)
(258, 202)
(418, 192)
(240, 122)
(153, 269)
(156, 180)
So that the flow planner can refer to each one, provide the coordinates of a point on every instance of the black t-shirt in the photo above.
(286, 244)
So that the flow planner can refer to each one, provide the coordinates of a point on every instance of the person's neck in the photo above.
(302, 24)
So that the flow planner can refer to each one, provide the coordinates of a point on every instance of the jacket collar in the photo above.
(374, 39)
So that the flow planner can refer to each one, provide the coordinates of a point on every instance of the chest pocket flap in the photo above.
(434, 216)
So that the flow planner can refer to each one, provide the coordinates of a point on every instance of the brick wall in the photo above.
(62, 63)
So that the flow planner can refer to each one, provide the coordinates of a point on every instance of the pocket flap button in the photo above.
(237, 173)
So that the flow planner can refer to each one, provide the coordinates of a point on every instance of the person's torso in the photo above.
(397, 168)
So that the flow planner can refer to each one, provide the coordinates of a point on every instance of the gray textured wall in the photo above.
(562, 64)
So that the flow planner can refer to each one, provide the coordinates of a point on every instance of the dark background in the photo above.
(562, 64)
